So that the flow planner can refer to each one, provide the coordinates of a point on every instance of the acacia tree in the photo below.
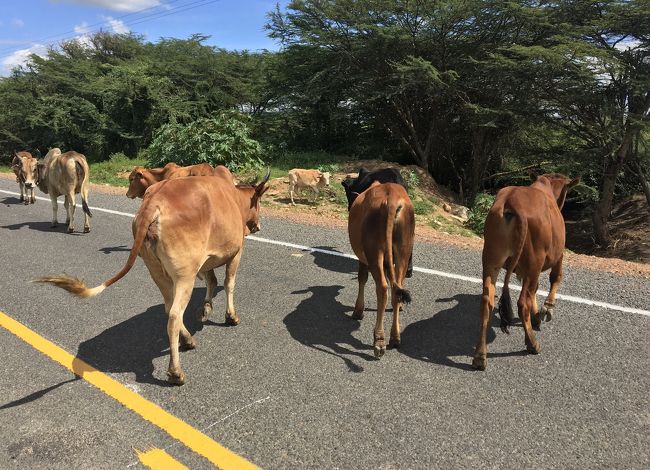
(425, 71)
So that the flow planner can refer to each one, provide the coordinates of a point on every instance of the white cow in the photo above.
(65, 174)
(314, 179)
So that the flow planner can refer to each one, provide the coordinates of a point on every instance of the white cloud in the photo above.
(117, 26)
(20, 56)
(18, 23)
(82, 28)
(117, 5)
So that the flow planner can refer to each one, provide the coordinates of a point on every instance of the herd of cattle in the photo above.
(194, 219)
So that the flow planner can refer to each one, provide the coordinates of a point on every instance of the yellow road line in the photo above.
(158, 459)
(178, 429)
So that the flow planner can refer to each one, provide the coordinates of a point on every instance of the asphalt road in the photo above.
(296, 385)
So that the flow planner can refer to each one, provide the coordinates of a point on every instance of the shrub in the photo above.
(479, 211)
(219, 140)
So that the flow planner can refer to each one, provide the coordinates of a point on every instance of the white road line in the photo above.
(460, 277)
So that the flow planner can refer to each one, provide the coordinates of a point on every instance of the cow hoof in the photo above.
(188, 344)
(54, 225)
(379, 347)
(479, 362)
(176, 379)
(533, 348)
(232, 321)
(394, 343)
(26, 202)
(70, 230)
(86, 229)
(409, 273)
(357, 315)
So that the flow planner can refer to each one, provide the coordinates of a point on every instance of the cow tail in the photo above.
(78, 287)
(506, 311)
(81, 176)
(393, 212)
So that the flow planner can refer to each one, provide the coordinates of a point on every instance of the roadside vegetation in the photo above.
(475, 93)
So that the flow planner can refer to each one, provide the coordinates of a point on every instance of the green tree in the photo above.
(220, 140)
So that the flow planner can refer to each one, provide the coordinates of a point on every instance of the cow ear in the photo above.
(533, 175)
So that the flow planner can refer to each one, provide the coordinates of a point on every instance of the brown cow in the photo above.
(141, 178)
(524, 234)
(299, 179)
(26, 169)
(180, 237)
(381, 226)
(65, 174)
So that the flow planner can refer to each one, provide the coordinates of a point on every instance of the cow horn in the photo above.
(266, 178)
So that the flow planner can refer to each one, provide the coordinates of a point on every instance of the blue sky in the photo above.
(29, 26)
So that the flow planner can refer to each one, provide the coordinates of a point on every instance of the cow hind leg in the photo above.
(359, 305)
(548, 309)
(84, 200)
(176, 330)
(525, 307)
(232, 318)
(379, 343)
(69, 207)
(487, 306)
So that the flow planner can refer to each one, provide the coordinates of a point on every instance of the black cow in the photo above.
(355, 186)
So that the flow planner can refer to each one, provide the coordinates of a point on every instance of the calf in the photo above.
(65, 174)
(524, 234)
(381, 227)
(186, 227)
(26, 169)
(355, 186)
(299, 179)
(141, 178)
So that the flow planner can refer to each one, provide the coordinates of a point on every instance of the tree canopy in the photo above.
(466, 89)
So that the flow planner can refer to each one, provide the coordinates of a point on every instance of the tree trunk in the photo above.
(479, 163)
(600, 217)
(638, 168)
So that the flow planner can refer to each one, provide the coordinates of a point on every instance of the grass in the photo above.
(447, 226)
(107, 172)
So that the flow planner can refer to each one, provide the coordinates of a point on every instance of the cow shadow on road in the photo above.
(332, 262)
(11, 200)
(448, 335)
(43, 227)
(321, 322)
(133, 345)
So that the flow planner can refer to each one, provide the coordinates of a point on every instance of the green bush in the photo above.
(219, 140)
(479, 211)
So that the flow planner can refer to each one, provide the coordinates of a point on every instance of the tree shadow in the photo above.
(132, 346)
(110, 249)
(321, 322)
(448, 334)
(334, 263)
